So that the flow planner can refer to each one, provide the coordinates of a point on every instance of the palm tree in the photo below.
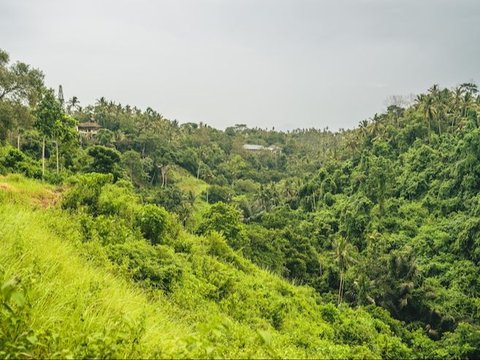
(344, 257)
(469, 88)
(438, 100)
(426, 104)
(363, 288)
(73, 104)
(457, 104)
(363, 126)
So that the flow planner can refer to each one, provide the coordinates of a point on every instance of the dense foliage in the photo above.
(378, 227)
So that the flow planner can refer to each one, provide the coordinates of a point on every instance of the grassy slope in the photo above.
(77, 294)
(70, 295)
(188, 183)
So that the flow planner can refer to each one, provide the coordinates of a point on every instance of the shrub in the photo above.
(14, 160)
(153, 222)
(217, 193)
(225, 219)
(107, 229)
(118, 200)
(85, 191)
(154, 266)
(17, 338)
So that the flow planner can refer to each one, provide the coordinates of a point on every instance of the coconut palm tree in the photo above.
(427, 107)
(344, 257)
(363, 290)
(73, 105)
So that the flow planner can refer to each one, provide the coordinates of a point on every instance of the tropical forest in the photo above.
(124, 234)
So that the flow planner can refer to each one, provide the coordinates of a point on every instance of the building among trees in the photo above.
(88, 129)
(254, 148)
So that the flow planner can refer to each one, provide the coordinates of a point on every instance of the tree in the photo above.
(225, 219)
(47, 114)
(344, 257)
(152, 221)
(73, 105)
(104, 160)
(19, 82)
(132, 162)
(53, 124)
(163, 158)
(20, 87)
(105, 137)
(217, 193)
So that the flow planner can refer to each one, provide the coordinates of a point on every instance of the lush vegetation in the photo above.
(157, 239)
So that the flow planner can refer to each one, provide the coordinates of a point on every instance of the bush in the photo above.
(154, 266)
(225, 219)
(463, 343)
(107, 229)
(153, 222)
(17, 338)
(13, 160)
(85, 191)
(217, 193)
(118, 200)
(246, 186)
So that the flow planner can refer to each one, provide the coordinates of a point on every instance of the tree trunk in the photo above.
(340, 289)
(18, 141)
(56, 153)
(43, 158)
(163, 172)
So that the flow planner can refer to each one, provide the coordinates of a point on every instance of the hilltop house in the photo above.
(88, 129)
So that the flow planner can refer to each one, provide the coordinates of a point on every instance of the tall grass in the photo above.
(82, 305)
(77, 301)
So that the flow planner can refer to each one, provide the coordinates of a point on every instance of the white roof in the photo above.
(253, 147)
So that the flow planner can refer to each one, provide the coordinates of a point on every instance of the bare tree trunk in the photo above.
(164, 171)
(56, 153)
(43, 158)
(18, 141)
(340, 289)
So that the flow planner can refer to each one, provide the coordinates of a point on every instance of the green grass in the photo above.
(188, 183)
(71, 296)
(15, 188)
(82, 305)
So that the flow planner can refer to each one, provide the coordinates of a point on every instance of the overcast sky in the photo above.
(282, 63)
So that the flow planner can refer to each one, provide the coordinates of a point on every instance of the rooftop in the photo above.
(253, 147)
(89, 124)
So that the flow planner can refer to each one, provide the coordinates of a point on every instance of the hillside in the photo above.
(150, 238)
(70, 299)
